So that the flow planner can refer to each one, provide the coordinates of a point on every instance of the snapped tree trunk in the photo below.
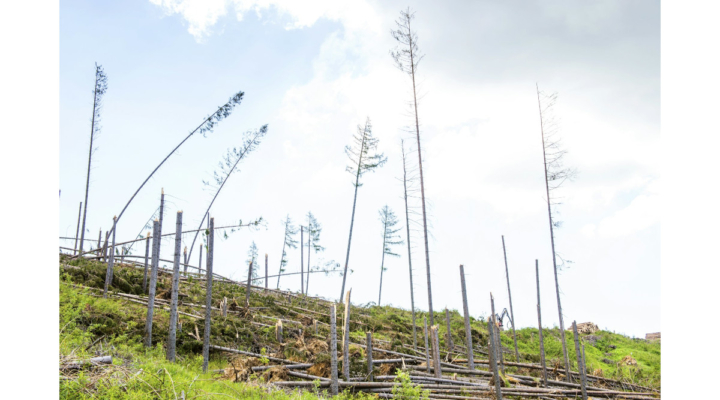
(247, 287)
(147, 250)
(153, 282)
(468, 333)
(109, 273)
(436, 350)
(491, 353)
(427, 346)
(208, 296)
(333, 351)
(496, 335)
(368, 348)
(583, 381)
(449, 332)
(172, 331)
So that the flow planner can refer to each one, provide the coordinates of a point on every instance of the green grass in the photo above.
(142, 372)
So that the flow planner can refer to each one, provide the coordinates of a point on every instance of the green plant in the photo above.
(407, 390)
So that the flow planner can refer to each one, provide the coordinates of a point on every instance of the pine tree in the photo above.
(364, 158)
(390, 238)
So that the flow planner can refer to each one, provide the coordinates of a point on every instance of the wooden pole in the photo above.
(540, 331)
(496, 335)
(368, 348)
(208, 296)
(583, 381)
(449, 333)
(468, 332)
(491, 354)
(147, 250)
(172, 332)
(333, 351)
(266, 273)
(77, 230)
(512, 315)
(247, 287)
(427, 346)
(153, 282)
(346, 337)
(434, 334)
(111, 261)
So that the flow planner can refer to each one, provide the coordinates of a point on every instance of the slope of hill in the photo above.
(91, 326)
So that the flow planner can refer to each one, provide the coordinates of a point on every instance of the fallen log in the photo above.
(104, 360)
(247, 353)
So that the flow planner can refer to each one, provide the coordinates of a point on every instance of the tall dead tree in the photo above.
(288, 242)
(229, 164)
(208, 295)
(540, 329)
(408, 179)
(468, 332)
(98, 93)
(77, 230)
(364, 158)
(555, 175)
(407, 56)
(512, 316)
(390, 238)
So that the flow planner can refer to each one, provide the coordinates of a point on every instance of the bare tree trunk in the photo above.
(302, 257)
(208, 297)
(247, 287)
(491, 353)
(449, 332)
(111, 262)
(266, 273)
(583, 381)
(87, 181)
(352, 218)
(307, 280)
(99, 243)
(77, 230)
(512, 316)
(382, 266)
(172, 331)
(540, 329)
(153, 282)
(436, 351)
(552, 245)
(427, 346)
(185, 255)
(147, 250)
(368, 348)
(407, 226)
(105, 247)
(468, 333)
(333, 351)
(496, 335)
(346, 337)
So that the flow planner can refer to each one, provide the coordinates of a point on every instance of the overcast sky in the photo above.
(314, 72)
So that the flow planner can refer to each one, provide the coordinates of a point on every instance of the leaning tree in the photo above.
(556, 173)
(98, 93)
(364, 158)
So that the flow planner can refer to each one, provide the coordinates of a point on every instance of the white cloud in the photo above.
(201, 15)
(642, 212)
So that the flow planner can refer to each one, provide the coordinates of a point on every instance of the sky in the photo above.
(314, 71)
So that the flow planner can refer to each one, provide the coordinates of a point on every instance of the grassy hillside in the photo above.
(91, 325)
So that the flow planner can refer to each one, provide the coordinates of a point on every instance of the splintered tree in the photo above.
(229, 164)
(206, 126)
(407, 56)
(390, 238)
(364, 158)
(98, 92)
(252, 255)
(555, 175)
(314, 229)
(288, 242)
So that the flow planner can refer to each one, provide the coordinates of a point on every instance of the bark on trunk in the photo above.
(368, 347)
(111, 262)
(153, 282)
(333, 351)
(436, 350)
(208, 296)
(147, 250)
(172, 331)
(346, 337)
(427, 346)
(468, 333)
(583, 381)
(247, 287)
(77, 230)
